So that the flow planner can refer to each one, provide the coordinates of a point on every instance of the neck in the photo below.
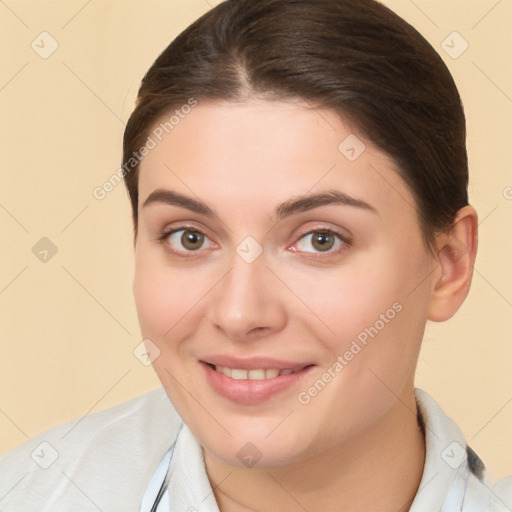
(379, 469)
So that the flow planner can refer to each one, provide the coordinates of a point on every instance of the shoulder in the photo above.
(462, 481)
(488, 494)
(102, 460)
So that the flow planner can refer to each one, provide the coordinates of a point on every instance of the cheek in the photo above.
(349, 298)
(162, 295)
(370, 311)
(155, 305)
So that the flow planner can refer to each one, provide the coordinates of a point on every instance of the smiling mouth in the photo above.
(255, 374)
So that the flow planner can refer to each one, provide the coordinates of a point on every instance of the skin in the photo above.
(356, 445)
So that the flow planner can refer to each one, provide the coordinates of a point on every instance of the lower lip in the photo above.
(248, 391)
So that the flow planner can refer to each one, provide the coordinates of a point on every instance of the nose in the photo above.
(248, 302)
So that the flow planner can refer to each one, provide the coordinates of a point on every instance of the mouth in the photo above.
(264, 380)
(256, 373)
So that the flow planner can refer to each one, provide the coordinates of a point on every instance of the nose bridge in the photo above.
(246, 300)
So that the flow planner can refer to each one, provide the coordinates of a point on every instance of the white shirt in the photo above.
(109, 461)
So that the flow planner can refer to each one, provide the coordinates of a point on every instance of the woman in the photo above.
(298, 177)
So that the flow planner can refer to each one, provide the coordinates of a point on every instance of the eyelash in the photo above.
(346, 242)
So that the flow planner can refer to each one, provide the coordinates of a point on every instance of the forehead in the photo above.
(261, 152)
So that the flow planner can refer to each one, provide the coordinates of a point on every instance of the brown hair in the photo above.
(357, 58)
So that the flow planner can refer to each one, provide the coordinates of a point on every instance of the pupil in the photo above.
(192, 240)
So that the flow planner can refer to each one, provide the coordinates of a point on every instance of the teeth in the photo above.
(271, 373)
(258, 374)
(239, 374)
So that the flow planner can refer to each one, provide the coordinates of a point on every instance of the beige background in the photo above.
(69, 324)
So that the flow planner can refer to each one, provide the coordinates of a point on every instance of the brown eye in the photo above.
(186, 240)
(322, 241)
(192, 240)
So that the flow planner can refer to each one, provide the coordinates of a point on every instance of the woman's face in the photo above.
(277, 241)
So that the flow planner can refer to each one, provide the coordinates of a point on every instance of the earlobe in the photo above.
(456, 259)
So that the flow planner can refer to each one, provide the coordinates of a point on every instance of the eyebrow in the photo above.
(290, 207)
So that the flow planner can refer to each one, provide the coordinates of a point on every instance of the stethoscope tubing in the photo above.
(158, 483)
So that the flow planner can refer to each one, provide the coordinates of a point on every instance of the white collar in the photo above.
(443, 484)
(189, 487)
(445, 473)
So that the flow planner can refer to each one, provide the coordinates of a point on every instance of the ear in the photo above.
(456, 259)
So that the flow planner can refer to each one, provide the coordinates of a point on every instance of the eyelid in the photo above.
(325, 229)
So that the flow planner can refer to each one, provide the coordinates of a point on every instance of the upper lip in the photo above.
(253, 363)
